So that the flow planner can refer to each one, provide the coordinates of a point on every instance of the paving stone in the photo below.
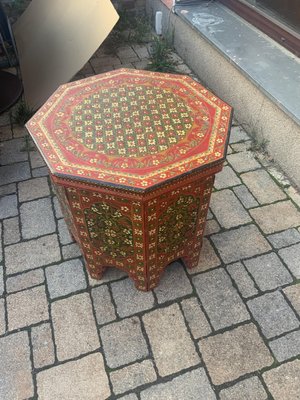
(286, 347)
(276, 217)
(133, 376)
(243, 242)
(2, 318)
(1, 281)
(245, 196)
(5, 133)
(65, 278)
(123, 342)
(226, 178)
(173, 284)
(243, 146)
(1, 248)
(262, 186)
(33, 189)
(129, 300)
(8, 206)
(71, 251)
(74, 326)
(81, 379)
(106, 60)
(243, 161)
(248, 389)
(170, 340)
(196, 318)
(11, 230)
(209, 215)
(63, 232)
(42, 345)
(8, 189)
(37, 218)
(15, 367)
(294, 194)
(228, 210)
(126, 53)
(32, 254)
(285, 238)
(141, 50)
(130, 396)
(57, 208)
(211, 227)
(242, 279)
(11, 151)
(36, 160)
(27, 307)
(20, 132)
(38, 172)
(220, 299)
(193, 385)
(293, 294)
(110, 275)
(237, 134)
(234, 353)
(273, 314)
(25, 280)
(283, 381)
(208, 259)
(291, 256)
(14, 173)
(279, 176)
(268, 271)
(104, 309)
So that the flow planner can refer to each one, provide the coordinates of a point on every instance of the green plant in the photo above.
(160, 56)
(22, 113)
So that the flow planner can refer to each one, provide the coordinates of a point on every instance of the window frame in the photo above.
(267, 24)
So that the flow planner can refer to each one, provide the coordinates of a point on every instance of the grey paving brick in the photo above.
(242, 146)
(211, 227)
(286, 347)
(37, 218)
(242, 279)
(8, 206)
(20, 132)
(245, 196)
(173, 284)
(226, 178)
(42, 345)
(15, 367)
(36, 160)
(285, 238)
(268, 271)
(123, 342)
(11, 230)
(293, 294)
(25, 280)
(2, 317)
(63, 232)
(110, 275)
(276, 217)
(1, 248)
(262, 186)
(80, 379)
(243, 242)
(208, 259)
(12, 151)
(71, 251)
(74, 326)
(141, 50)
(220, 299)
(228, 210)
(170, 340)
(129, 300)
(57, 208)
(196, 318)
(273, 314)
(209, 215)
(130, 396)
(5, 132)
(291, 256)
(8, 189)
(243, 161)
(133, 376)
(39, 172)
(33, 189)
(248, 389)
(234, 353)
(193, 385)
(32, 254)
(104, 309)
(14, 173)
(65, 278)
(238, 134)
(1, 281)
(283, 381)
(27, 307)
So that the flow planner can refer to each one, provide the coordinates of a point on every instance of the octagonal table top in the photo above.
(130, 128)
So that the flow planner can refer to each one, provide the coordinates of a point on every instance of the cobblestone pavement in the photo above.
(227, 330)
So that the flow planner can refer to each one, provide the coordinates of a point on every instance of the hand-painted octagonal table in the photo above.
(133, 155)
